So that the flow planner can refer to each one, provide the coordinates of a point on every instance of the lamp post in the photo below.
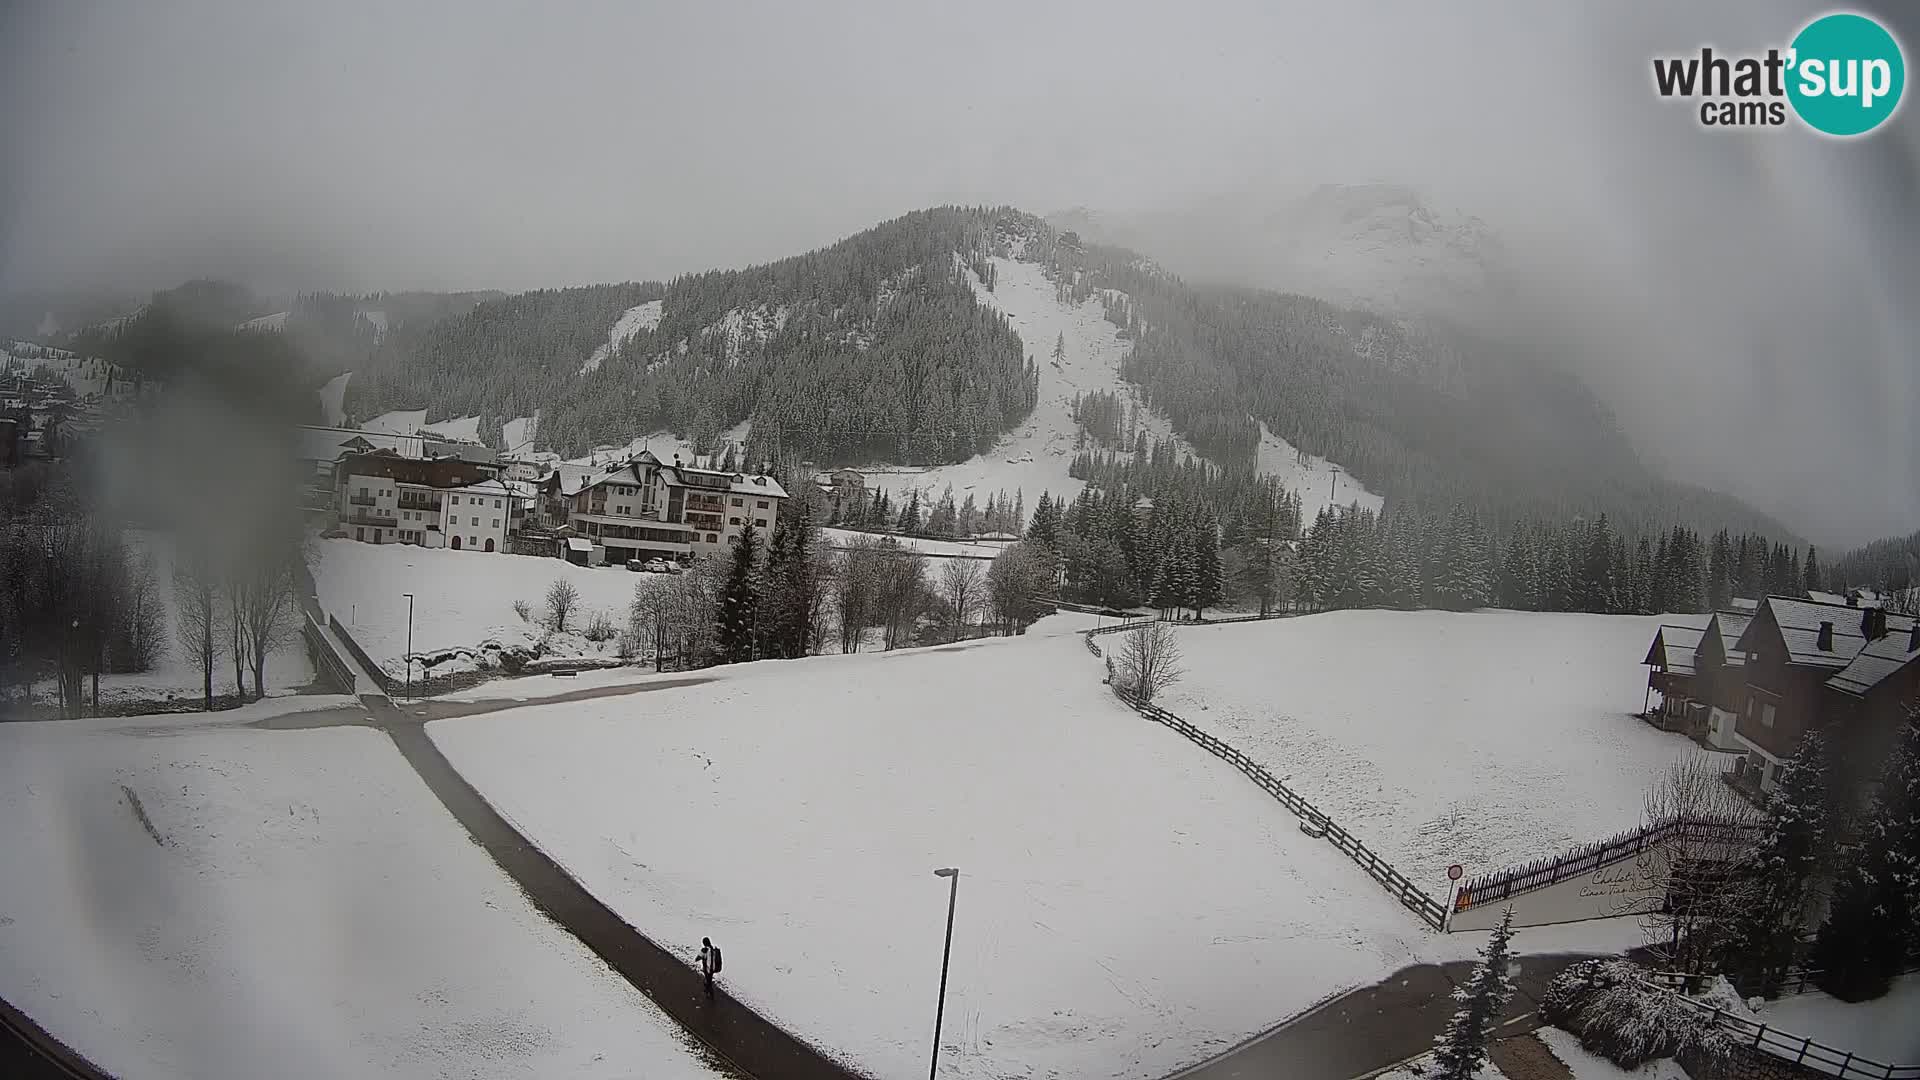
(952, 875)
(409, 656)
(1333, 478)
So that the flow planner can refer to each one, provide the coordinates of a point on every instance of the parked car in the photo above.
(637, 565)
(656, 566)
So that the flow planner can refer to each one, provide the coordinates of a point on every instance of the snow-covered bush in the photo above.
(1622, 1018)
(600, 627)
(524, 610)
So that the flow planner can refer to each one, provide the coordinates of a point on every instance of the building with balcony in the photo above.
(643, 508)
(1817, 665)
(384, 498)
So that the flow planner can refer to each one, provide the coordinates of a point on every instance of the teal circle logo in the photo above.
(1847, 74)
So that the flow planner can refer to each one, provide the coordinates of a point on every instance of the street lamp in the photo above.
(952, 874)
(409, 656)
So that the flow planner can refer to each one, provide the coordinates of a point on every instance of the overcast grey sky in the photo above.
(1744, 299)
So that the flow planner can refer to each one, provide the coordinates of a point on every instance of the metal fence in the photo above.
(1787, 1046)
(1502, 885)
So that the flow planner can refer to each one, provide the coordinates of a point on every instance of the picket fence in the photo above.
(1502, 885)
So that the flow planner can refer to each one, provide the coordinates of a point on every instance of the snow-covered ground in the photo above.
(517, 435)
(664, 445)
(275, 321)
(86, 376)
(333, 398)
(398, 422)
(1587, 1066)
(463, 600)
(238, 904)
(1319, 482)
(635, 319)
(173, 674)
(1483, 738)
(1886, 1029)
(460, 429)
(1127, 904)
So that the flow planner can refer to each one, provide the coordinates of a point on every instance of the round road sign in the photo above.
(1454, 872)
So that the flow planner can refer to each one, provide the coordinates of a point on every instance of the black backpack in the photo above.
(716, 959)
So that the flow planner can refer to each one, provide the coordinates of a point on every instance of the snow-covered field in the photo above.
(174, 675)
(333, 396)
(1886, 1029)
(1320, 483)
(239, 904)
(1483, 738)
(517, 435)
(459, 429)
(398, 422)
(1127, 903)
(462, 600)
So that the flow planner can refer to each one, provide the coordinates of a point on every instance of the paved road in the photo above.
(1371, 1028)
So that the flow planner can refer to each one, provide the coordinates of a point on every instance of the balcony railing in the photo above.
(361, 500)
(419, 504)
(373, 517)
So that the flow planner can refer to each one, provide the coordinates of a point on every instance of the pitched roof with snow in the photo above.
(1673, 648)
(328, 443)
(1799, 621)
(1730, 625)
(1880, 658)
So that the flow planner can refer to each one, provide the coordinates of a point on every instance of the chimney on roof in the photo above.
(1825, 643)
(1853, 597)
(1873, 624)
(1913, 640)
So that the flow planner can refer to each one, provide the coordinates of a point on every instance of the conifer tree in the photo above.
(1875, 914)
(740, 600)
(1460, 1052)
(1765, 931)
(1810, 574)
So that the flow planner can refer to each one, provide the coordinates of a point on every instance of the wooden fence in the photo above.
(1502, 885)
(1787, 1046)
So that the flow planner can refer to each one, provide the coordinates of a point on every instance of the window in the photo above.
(737, 502)
(760, 523)
(363, 491)
(711, 539)
(733, 521)
(496, 504)
(470, 541)
(1766, 716)
(761, 505)
(496, 523)
(476, 521)
(456, 500)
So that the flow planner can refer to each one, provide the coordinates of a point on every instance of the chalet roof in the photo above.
(1880, 658)
(1798, 622)
(1673, 648)
(1730, 625)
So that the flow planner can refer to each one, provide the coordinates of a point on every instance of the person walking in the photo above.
(709, 962)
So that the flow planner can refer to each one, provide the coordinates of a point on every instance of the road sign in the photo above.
(1454, 872)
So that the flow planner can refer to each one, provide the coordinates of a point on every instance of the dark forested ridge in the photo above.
(1435, 416)
(872, 349)
(877, 349)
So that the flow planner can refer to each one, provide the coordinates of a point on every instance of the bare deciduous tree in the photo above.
(856, 577)
(1703, 888)
(562, 598)
(674, 615)
(196, 591)
(1149, 660)
(960, 585)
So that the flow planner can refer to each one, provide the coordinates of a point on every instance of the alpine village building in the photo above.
(1755, 682)
(644, 509)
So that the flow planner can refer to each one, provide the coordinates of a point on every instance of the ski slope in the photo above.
(275, 321)
(1483, 738)
(231, 904)
(461, 429)
(398, 422)
(1127, 903)
(635, 319)
(333, 398)
(1034, 458)
(517, 435)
